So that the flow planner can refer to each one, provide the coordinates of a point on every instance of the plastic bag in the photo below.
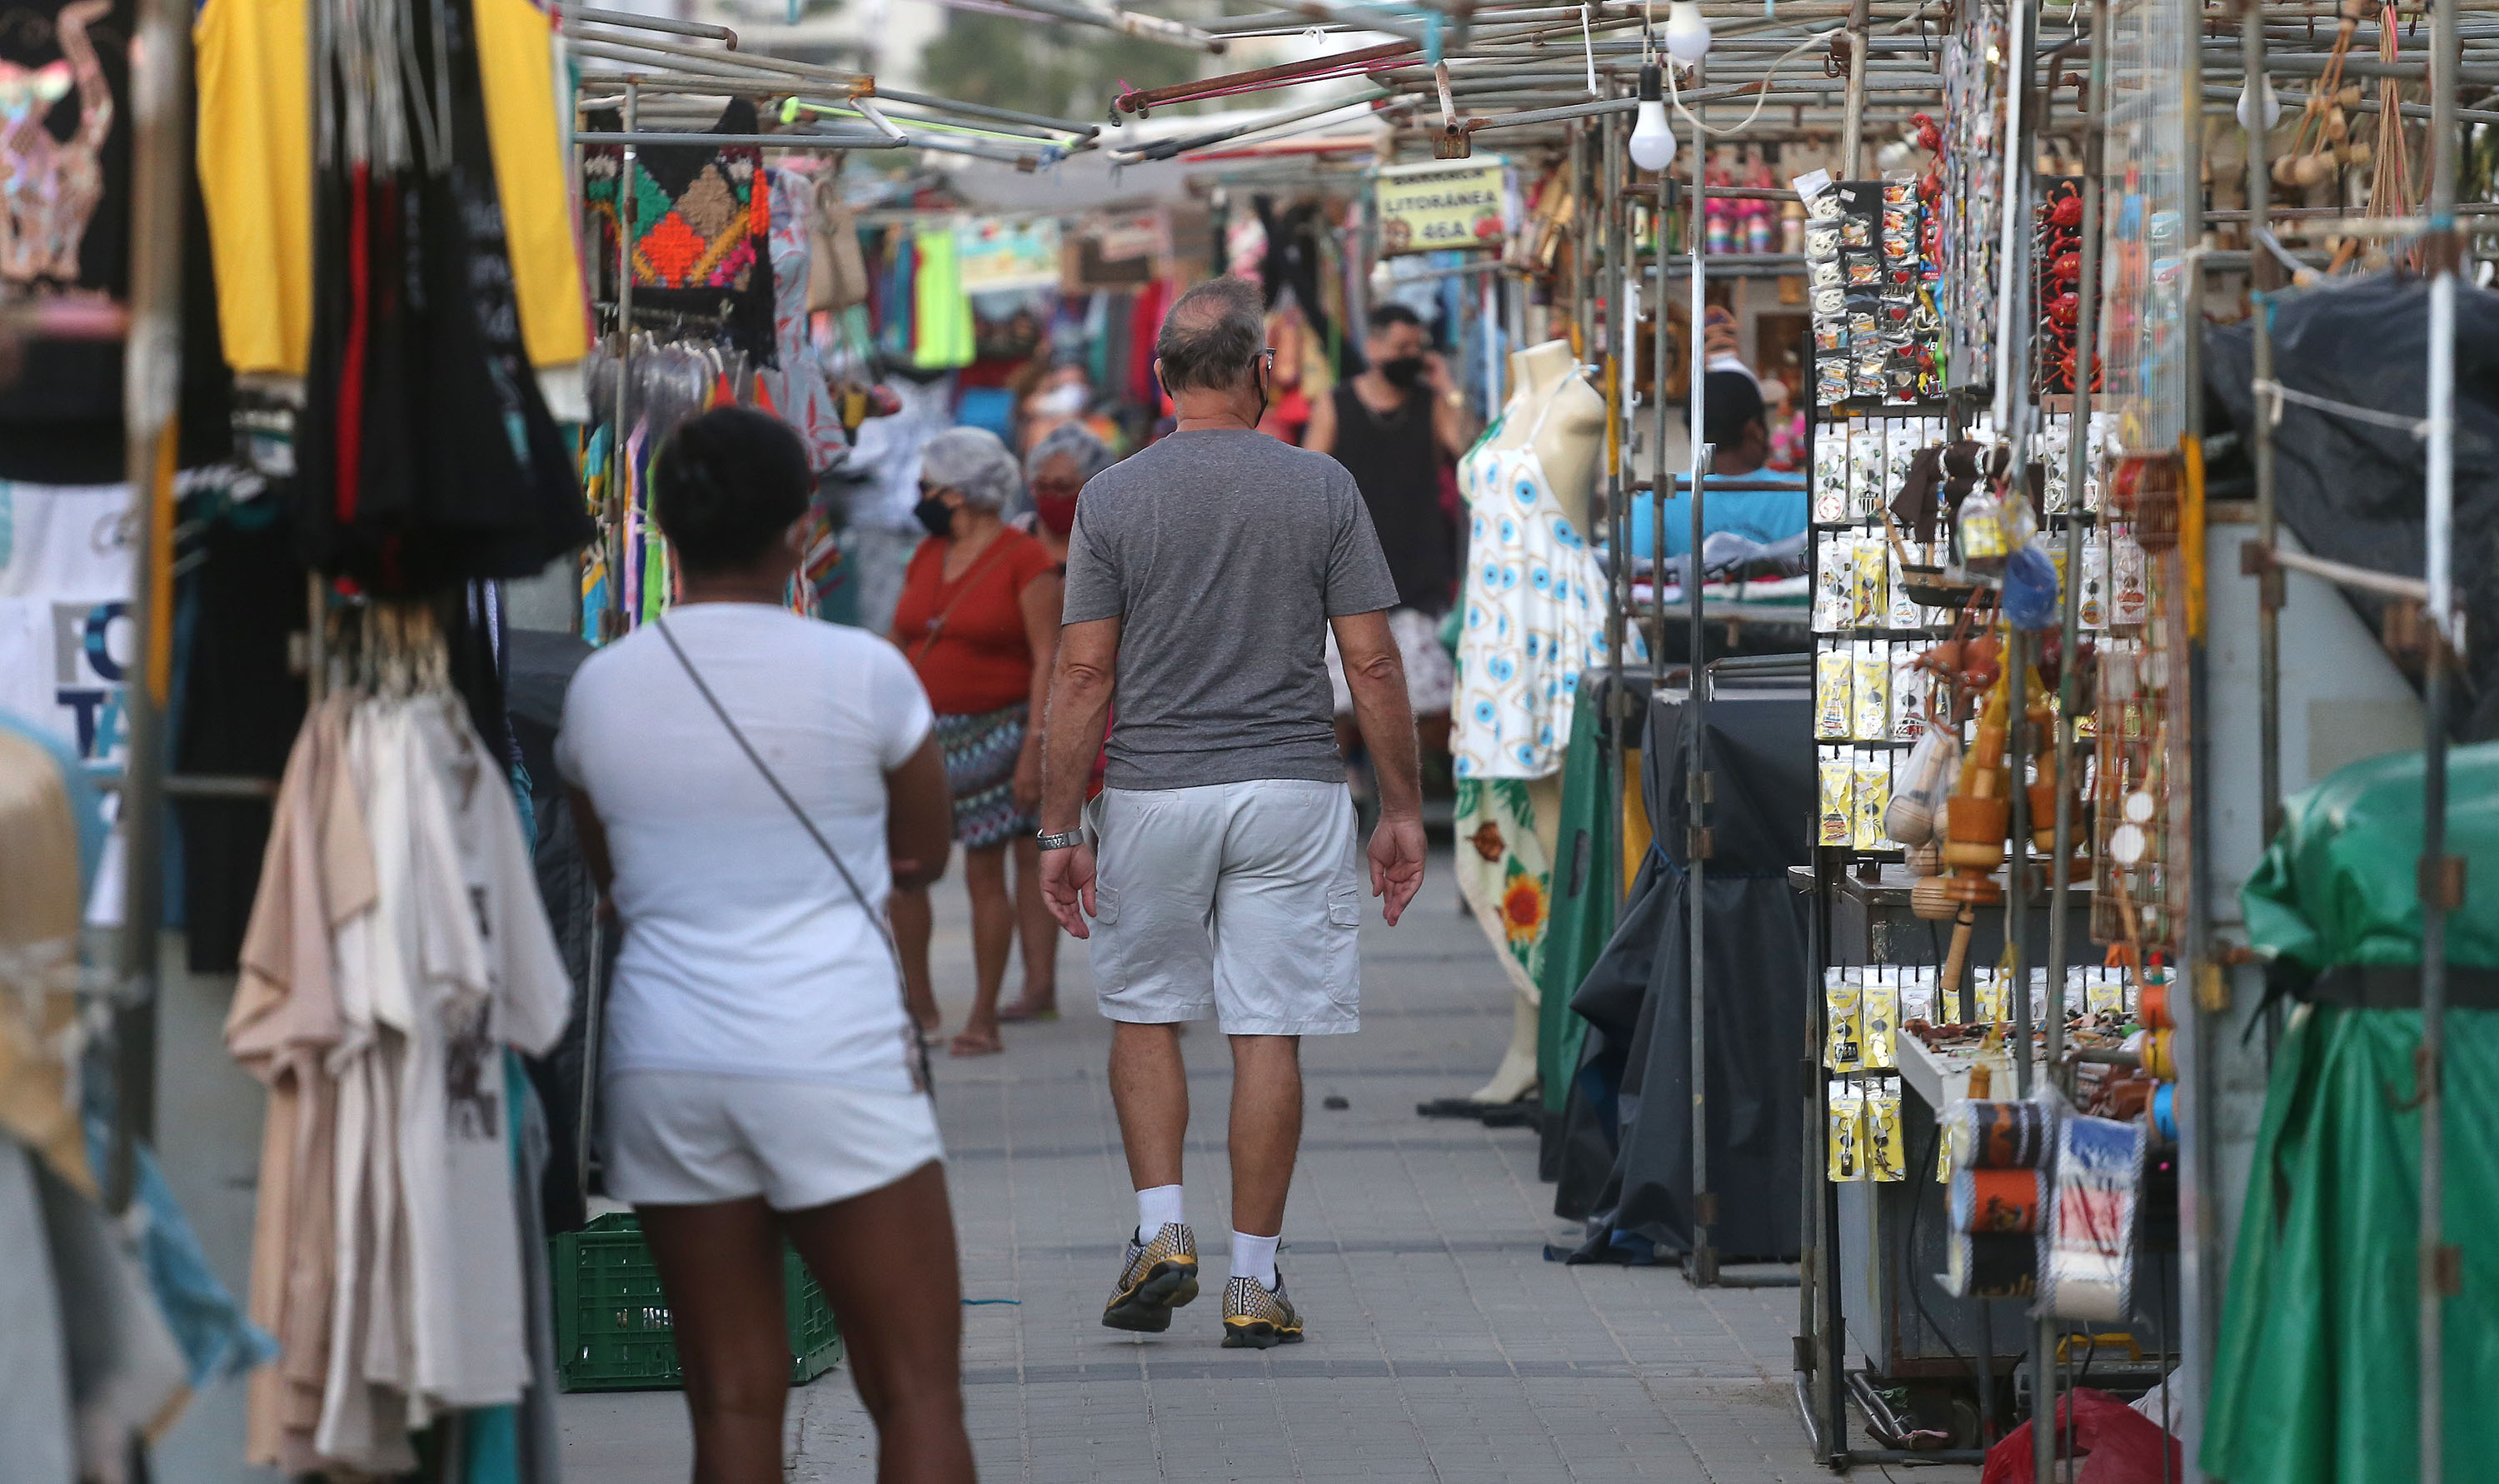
(1918, 798)
(2116, 1444)
(2030, 588)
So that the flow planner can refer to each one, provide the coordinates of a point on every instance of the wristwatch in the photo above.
(1066, 840)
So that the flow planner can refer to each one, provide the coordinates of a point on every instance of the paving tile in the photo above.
(1442, 1349)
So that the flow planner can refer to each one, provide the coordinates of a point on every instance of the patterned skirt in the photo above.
(981, 751)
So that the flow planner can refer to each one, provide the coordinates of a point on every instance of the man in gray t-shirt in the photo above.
(1203, 578)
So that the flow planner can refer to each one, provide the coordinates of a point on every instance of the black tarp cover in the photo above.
(2352, 490)
(1626, 1160)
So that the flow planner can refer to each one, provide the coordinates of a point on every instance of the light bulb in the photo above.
(1652, 138)
(2248, 107)
(1687, 33)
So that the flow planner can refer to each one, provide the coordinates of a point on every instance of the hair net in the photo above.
(972, 461)
(1077, 443)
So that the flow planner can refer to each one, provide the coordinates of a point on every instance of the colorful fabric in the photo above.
(1504, 868)
(797, 390)
(702, 223)
(941, 314)
(982, 748)
(1535, 614)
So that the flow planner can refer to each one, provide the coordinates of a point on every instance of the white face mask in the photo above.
(1060, 402)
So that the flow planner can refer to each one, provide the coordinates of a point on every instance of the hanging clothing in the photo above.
(65, 233)
(425, 452)
(397, 947)
(837, 277)
(797, 389)
(1535, 614)
(237, 710)
(255, 161)
(941, 314)
(703, 220)
(516, 68)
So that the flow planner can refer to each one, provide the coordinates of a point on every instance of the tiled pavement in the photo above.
(1441, 1345)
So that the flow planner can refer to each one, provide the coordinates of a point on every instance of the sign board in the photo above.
(995, 256)
(1441, 206)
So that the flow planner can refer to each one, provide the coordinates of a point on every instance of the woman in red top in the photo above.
(979, 621)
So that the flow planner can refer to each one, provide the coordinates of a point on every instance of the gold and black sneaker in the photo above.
(1256, 1317)
(1156, 1277)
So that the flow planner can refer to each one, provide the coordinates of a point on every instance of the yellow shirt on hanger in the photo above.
(255, 163)
(515, 64)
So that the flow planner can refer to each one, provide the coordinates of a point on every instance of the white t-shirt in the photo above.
(744, 952)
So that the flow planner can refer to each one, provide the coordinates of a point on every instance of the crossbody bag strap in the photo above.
(937, 625)
(876, 920)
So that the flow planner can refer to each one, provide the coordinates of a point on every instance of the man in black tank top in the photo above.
(1395, 428)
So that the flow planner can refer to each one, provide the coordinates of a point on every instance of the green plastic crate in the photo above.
(611, 1321)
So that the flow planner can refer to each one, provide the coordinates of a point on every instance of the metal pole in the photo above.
(2265, 276)
(619, 508)
(1618, 527)
(1703, 1269)
(2012, 261)
(160, 59)
(2440, 1266)
(2078, 462)
(1852, 128)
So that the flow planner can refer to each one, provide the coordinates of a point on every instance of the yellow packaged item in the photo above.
(1869, 595)
(1872, 797)
(1881, 1016)
(1838, 819)
(1843, 1001)
(1847, 1133)
(1887, 1154)
(1835, 694)
(1871, 718)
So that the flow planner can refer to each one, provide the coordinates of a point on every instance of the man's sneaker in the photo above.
(1156, 1277)
(1258, 1318)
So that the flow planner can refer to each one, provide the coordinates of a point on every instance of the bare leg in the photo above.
(913, 923)
(993, 925)
(1266, 1129)
(1150, 1088)
(1036, 935)
(886, 1260)
(720, 1266)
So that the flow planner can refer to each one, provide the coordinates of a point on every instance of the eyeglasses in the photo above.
(1269, 356)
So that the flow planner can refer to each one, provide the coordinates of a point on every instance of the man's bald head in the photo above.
(1211, 335)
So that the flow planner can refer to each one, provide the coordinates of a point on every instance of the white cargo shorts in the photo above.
(1244, 898)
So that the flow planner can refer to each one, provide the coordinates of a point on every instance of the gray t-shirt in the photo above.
(1224, 553)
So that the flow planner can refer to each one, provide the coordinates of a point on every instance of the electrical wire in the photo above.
(1760, 98)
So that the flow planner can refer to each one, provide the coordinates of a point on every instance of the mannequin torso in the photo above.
(1567, 419)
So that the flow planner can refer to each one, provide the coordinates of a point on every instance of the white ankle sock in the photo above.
(1254, 1257)
(1157, 1206)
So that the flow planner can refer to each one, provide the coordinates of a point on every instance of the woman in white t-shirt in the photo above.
(760, 1075)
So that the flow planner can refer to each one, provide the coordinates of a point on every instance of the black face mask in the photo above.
(1404, 372)
(934, 514)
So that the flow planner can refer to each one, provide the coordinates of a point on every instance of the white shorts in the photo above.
(1241, 898)
(1431, 676)
(699, 1138)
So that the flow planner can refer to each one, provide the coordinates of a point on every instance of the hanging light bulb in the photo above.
(1652, 138)
(2248, 106)
(1687, 32)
